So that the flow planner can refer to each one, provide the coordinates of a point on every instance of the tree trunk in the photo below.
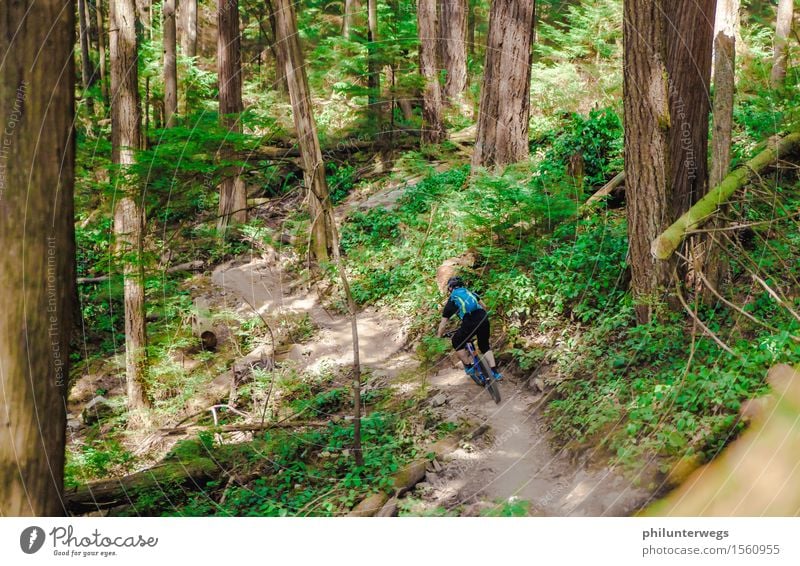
(128, 215)
(188, 21)
(101, 48)
(783, 27)
(313, 167)
(87, 69)
(232, 193)
(278, 54)
(689, 33)
(432, 122)
(453, 30)
(170, 63)
(144, 9)
(505, 97)
(471, 27)
(37, 269)
(724, 87)
(647, 179)
(351, 10)
(373, 69)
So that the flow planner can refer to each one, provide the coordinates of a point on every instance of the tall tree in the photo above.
(505, 96)
(232, 192)
(432, 122)
(287, 38)
(87, 69)
(101, 48)
(689, 32)
(724, 86)
(278, 54)
(188, 27)
(351, 9)
(667, 57)
(783, 26)
(646, 106)
(37, 266)
(373, 68)
(129, 212)
(170, 63)
(453, 31)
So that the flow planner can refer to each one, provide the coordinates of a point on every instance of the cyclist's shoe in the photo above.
(474, 374)
(497, 375)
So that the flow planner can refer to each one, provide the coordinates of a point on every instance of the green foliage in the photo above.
(597, 138)
(511, 507)
(312, 472)
(96, 459)
(586, 31)
(341, 180)
(375, 229)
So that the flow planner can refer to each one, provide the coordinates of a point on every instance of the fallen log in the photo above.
(106, 494)
(248, 427)
(665, 245)
(195, 265)
(606, 190)
(408, 140)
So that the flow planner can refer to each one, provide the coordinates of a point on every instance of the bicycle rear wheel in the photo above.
(491, 384)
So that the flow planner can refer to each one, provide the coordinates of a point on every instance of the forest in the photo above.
(228, 229)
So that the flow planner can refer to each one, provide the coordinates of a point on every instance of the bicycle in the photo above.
(483, 373)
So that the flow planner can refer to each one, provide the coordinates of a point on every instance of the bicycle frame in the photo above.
(476, 361)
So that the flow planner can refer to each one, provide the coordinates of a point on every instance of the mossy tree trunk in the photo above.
(667, 57)
(37, 269)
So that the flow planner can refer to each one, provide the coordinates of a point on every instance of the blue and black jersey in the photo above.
(462, 302)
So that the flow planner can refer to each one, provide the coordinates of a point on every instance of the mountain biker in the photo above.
(474, 322)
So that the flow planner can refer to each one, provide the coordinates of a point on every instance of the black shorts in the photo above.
(475, 323)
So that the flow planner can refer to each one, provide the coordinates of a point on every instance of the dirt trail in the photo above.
(269, 290)
(512, 460)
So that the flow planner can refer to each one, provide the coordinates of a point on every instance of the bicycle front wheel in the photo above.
(491, 384)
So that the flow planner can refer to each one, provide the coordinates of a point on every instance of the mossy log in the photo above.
(665, 245)
(106, 494)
